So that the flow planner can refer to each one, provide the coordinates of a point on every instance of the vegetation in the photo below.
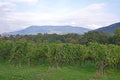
(92, 36)
(38, 54)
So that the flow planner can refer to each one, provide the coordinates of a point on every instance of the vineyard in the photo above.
(20, 53)
(92, 56)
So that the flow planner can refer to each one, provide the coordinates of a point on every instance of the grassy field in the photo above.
(86, 72)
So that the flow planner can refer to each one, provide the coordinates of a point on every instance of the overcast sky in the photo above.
(19, 14)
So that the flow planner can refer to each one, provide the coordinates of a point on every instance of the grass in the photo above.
(85, 72)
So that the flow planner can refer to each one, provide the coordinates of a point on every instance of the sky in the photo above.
(92, 14)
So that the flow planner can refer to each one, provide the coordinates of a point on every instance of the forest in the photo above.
(59, 50)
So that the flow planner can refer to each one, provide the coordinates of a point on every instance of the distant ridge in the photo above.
(51, 30)
(109, 29)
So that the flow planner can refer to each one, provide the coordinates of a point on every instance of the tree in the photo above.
(94, 36)
(115, 39)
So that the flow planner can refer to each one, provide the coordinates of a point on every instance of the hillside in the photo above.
(109, 29)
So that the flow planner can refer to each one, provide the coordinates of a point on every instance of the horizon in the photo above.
(57, 26)
(34, 26)
(91, 14)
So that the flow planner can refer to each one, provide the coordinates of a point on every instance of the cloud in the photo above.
(6, 7)
(92, 16)
(95, 7)
(24, 1)
(94, 26)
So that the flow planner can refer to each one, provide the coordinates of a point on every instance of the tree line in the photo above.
(91, 36)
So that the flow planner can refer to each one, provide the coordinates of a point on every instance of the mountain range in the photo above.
(63, 29)
(51, 30)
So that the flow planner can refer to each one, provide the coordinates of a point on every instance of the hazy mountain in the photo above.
(51, 29)
(109, 29)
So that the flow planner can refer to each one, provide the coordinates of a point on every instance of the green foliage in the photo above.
(18, 53)
(57, 51)
(59, 54)
(5, 48)
(56, 55)
(91, 36)
(94, 36)
(116, 37)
